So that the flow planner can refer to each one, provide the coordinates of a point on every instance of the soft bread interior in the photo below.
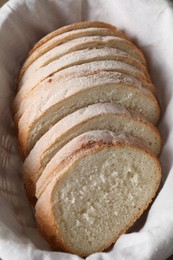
(101, 195)
(109, 189)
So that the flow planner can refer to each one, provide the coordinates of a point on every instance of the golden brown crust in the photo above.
(46, 213)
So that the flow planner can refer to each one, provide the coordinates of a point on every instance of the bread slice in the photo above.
(97, 116)
(80, 57)
(77, 26)
(106, 184)
(110, 65)
(48, 105)
(63, 36)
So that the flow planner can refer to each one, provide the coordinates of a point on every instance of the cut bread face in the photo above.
(82, 43)
(81, 57)
(97, 116)
(67, 35)
(104, 65)
(48, 105)
(99, 194)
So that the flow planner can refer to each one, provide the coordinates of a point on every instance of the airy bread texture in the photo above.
(97, 116)
(58, 37)
(99, 194)
(48, 105)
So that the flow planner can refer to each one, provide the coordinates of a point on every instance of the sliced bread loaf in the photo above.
(97, 116)
(48, 105)
(85, 111)
(106, 184)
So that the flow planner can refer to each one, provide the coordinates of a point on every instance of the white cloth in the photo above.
(22, 23)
